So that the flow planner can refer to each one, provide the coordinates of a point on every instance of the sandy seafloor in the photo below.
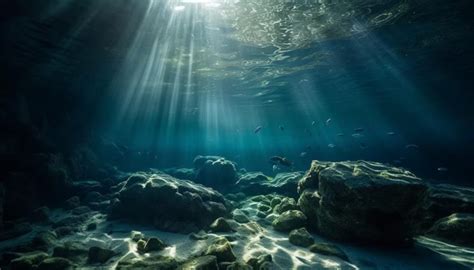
(425, 254)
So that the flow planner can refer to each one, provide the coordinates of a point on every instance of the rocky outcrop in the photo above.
(254, 183)
(300, 237)
(168, 203)
(456, 229)
(215, 172)
(361, 201)
(443, 200)
(181, 173)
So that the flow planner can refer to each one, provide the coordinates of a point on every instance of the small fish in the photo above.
(257, 129)
(363, 145)
(357, 135)
(331, 145)
(340, 134)
(358, 130)
(328, 121)
(275, 168)
(303, 154)
(282, 128)
(390, 133)
(442, 169)
(411, 146)
(277, 160)
(313, 123)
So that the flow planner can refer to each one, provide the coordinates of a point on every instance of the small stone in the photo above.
(91, 226)
(261, 262)
(301, 237)
(153, 244)
(240, 216)
(329, 250)
(99, 255)
(141, 245)
(285, 205)
(136, 236)
(264, 208)
(220, 225)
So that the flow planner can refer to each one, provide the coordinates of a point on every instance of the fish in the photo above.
(282, 128)
(390, 133)
(283, 161)
(358, 130)
(357, 135)
(328, 121)
(331, 145)
(275, 168)
(411, 146)
(257, 129)
(442, 169)
(303, 154)
(363, 145)
(313, 123)
(340, 134)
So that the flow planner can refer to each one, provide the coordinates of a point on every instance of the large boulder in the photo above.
(254, 183)
(168, 203)
(456, 228)
(215, 172)
(443, 200)
(310, 180)
(366, 202)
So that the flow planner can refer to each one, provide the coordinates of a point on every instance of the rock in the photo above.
(153, 244)
(456, 229)
(263, 261)
(28, 260)
(17, 230)
(254, 183)
(368, 202)
(168, 203)
(220, 225)
(141, 245)
(72, 203)
(308, 203)
(44, 240)
(329, 250)
(40, 215)
(236, 197)
(93, 197)
(72, 221)
(200, 263)
(216, 173)
(55, 263)
(301, 237)
(136, 236)
(311, 178)
(99, 255)
(64, 230)
(198, 236)
(240, 216)
(289, 220)
(285, 205)
(222, 249)
(87, 186)
(181, 173)
(148, 263)
(91, 226)
(81, 210)
(443, 200)
(74, 251)
(237, 265)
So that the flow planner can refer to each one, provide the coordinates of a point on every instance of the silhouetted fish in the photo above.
(303, 154)
(277, 160)
(282, 128)
(331, 145)
(358, 130)
(390, 133)
(257, 129)
(363, 145)
(313, 123)
(442, 169)
(328, 121)
(411, 146)
(357, 135)
(340, 134)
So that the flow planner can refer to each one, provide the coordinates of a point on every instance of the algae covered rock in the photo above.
(200, 263)
(148, 263)
(289, 220)
(263, 261)
(28, 260)
(168, 203)
(300, 237)
(367, 202)
(240, 216)
(151, 245)
(456, 229)
(308, 203)
(220, 225)
(215, 172)
(55, 263)
(222, 249)
(328, 250)
(254, 183)
(285, 205)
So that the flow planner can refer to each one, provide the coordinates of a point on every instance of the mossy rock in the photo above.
(220, 225)
(289, 220)
(55, 263)
(301, 237)
(153, 244)
(148, 263)
(263, 261)
(99, 255)
(28, 260)
(222, 249)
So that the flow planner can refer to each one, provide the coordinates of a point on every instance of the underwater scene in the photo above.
(237, 134)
